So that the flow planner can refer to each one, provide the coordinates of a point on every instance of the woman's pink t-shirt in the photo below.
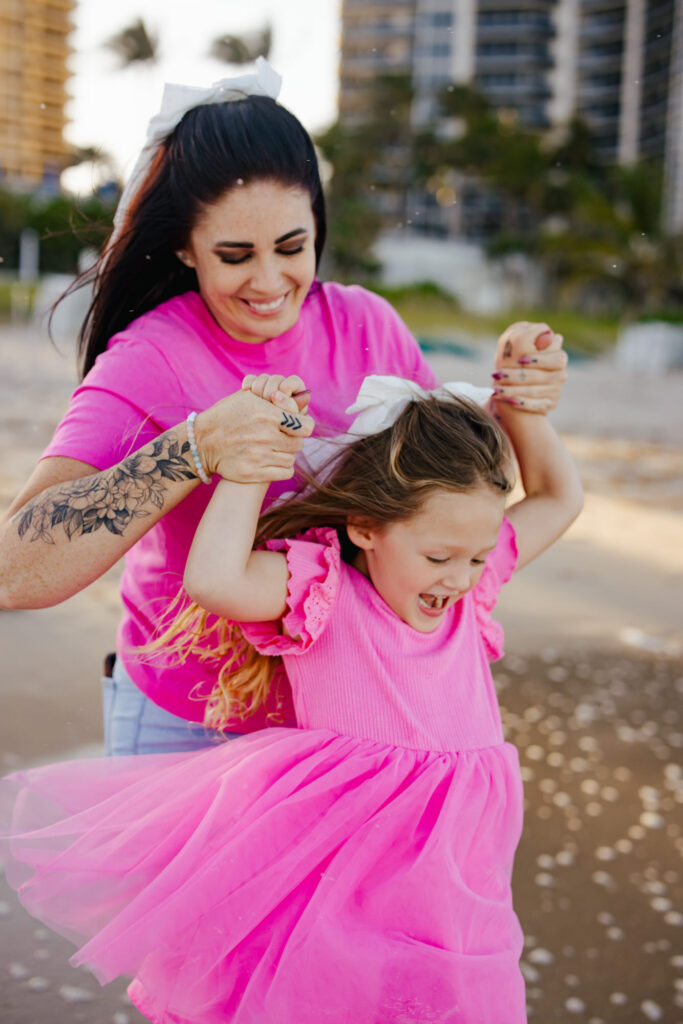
(175, 359)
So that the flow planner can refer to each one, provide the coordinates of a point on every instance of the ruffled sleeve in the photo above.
(500, 565)
(313, 560)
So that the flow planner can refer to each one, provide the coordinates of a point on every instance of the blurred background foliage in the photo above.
(594, 229)
(65, 225)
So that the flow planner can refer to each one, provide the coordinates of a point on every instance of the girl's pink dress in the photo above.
(355, 870)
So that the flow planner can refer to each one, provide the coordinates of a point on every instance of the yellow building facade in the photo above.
(34, 47)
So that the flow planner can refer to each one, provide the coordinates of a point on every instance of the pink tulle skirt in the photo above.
(289, 877)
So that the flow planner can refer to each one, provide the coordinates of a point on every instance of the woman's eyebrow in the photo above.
(250, 245)
(291, 234)
(234, 245)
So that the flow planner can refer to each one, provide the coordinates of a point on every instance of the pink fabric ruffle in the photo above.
(313, 559)
(500, 565)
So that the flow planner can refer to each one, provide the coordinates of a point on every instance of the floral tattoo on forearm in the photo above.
(111, 499)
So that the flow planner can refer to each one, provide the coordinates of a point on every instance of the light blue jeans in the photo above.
(133, 724)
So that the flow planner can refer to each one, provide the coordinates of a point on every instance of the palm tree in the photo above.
(134, 45)
(243, 49)
(102, 170)
(91, 155)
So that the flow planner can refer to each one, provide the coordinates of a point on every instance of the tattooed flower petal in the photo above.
(143, 464)
(112, 498)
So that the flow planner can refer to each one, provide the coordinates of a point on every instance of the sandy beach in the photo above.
(590, 688)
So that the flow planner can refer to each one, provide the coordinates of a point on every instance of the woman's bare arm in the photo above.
(71, 522)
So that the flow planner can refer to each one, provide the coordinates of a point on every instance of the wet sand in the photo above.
(590, 689)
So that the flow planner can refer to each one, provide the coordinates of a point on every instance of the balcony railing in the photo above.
(517, 92)
(513, 61)
(591, 33)
(517, 5)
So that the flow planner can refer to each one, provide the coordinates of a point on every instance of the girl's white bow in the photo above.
(175, 103)
(381, 400)
(379, 403)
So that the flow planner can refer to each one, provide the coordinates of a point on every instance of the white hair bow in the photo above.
(379, 403)
(175, 103)
(381, 400)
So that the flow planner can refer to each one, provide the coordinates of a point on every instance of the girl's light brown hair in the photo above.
(437, 443)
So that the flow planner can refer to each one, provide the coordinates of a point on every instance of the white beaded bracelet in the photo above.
(194, 451)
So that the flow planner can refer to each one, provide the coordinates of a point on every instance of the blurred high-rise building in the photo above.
(34, 49)
(618, 64)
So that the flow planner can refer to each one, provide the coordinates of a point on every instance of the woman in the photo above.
(209, 276)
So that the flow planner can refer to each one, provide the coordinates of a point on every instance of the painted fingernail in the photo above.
(498, 375)
(525, 360)
(498, 391)
(514, 401)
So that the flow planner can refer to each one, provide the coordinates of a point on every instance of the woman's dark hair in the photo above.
(212, 149)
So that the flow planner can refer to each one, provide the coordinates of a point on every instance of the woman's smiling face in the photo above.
(254, 254)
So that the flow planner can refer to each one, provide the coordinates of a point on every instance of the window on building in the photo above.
(606, 79)
(609, 49)
(496, 80)
(512, 49)
(529, 19)
(602, 110)
(614, 17)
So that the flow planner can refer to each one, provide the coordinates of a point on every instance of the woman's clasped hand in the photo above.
(243, 439)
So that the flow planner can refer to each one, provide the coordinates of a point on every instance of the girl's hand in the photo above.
(247, 440)
(288, 392)
(530, 368)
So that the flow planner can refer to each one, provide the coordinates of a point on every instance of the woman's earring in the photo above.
(184, 258)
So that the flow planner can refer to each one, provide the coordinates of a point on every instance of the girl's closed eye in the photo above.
(442, 561)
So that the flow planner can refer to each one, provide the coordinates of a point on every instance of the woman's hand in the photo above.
(530, 367)
(248, 440)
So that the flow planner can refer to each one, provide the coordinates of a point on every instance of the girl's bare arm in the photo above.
(554, 495)
(223, 574)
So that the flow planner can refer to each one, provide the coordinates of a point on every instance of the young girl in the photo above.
(356, 869)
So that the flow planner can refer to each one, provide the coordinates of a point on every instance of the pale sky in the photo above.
(110, 108)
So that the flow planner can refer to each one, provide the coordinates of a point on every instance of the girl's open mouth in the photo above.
(432, 604)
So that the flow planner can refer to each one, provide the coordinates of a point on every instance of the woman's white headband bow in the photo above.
(175, 103)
